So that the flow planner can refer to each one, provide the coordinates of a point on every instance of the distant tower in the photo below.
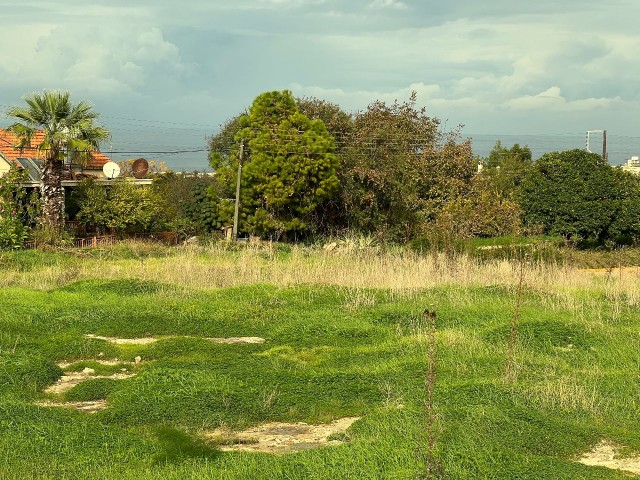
(604, 142)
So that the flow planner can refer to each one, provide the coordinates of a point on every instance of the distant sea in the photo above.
(619, 147)
(177, 148)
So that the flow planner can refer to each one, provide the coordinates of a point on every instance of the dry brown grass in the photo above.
(401, 272)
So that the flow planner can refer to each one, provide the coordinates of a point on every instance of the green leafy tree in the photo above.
(70, 130)
(289, 167)
(626, 226)
(399, 170)
(481, 213)
(505, 169)
(573, 193)
(188, 206)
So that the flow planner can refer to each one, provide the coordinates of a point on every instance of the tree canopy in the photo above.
(573, 193)
(69, 130)
(289, 167)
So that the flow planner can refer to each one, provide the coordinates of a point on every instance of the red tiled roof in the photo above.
(8, 142)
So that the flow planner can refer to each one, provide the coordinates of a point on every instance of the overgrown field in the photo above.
(344, 336)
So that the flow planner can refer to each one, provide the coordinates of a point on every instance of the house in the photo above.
(30, 159)
(632, 165)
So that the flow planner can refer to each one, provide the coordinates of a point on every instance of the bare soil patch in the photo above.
(148, 340)
(280, 438)
(605, 454)
(125, 341)
(110, 363)
(70, 380)
(87, 407)
(233, 340)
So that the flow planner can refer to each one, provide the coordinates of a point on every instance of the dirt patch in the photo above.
(109, 363)
(604, 454)
(232, 340)
(70, 380)
(148, 340)
(125, 341)
(87, 407)
(281, 437)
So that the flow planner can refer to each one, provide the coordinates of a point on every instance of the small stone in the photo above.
(88, 371)
(138, 359)
(101, 354)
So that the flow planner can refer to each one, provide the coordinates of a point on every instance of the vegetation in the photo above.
(289, 168)
(122, 207)
(69, 130)
(578, 195)
(345, 336)
(14, 217)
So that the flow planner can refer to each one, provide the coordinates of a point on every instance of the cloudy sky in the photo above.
(165, 74)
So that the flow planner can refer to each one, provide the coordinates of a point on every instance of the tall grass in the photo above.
(220, 266)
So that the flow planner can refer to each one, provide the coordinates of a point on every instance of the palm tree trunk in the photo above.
(52, 194)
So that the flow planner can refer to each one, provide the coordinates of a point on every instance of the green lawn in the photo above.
(330, 352)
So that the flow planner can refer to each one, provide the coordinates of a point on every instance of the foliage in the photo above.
(223, 145)
(480, 214)
(13, 232)
(69, 131)
(124, 206)
(288, 168)
(578, 195)
(399, 170)
(505, 168)
(188, 206)
(626, 226)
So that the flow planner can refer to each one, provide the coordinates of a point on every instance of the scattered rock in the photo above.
(281, 437)
(138, 359)
(233, 340)
(604, 454)
(88, 371)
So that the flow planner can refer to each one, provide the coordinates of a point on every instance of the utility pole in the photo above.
(236, 213)
(604, 145)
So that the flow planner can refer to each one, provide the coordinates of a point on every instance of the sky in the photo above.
(165, 74)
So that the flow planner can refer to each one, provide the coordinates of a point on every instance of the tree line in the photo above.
(309, 169)
(391, 171)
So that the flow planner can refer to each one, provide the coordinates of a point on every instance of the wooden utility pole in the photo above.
(236, 213)
(604, 145)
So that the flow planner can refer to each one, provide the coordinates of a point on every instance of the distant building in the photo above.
(30, 159)
(632, 165)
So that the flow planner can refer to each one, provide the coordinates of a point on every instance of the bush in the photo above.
(13, 232)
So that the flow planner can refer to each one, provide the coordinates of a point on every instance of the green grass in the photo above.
(331, 352)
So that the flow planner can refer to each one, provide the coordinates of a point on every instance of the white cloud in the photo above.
(394, 4)
(94, 61)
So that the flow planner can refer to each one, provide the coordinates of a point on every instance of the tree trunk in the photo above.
(52, 194)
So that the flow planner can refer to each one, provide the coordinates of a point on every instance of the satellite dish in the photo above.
(140, 168)
(111, 170)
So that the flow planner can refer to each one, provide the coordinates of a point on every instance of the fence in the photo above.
(95, 241)
(168, 238)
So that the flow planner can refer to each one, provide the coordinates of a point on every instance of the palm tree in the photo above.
(68, 131)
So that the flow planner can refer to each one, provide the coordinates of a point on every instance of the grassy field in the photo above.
(344, 337)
